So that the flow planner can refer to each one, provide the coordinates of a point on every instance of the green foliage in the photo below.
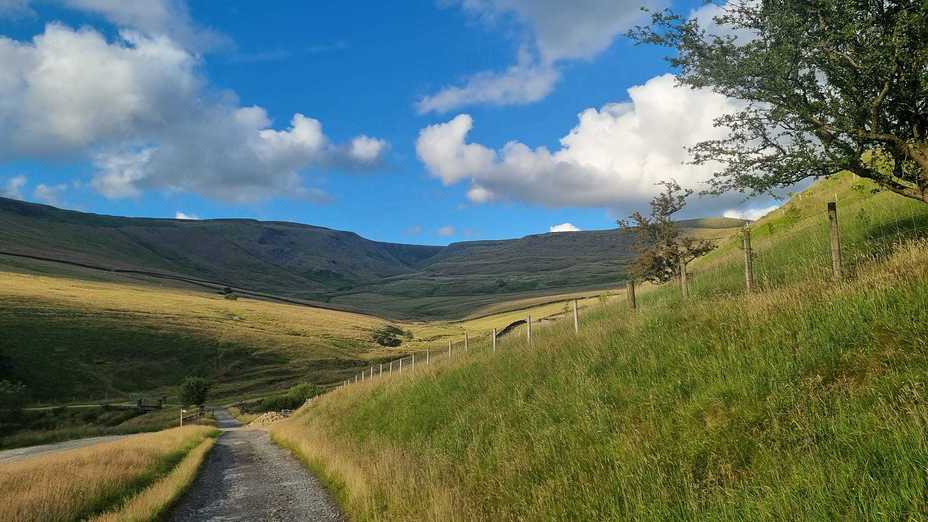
(825, 86)
(661, 247)
(194, 391)
(390, 336)
(295, 397)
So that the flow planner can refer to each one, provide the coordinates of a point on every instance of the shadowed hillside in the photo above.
(320, 265)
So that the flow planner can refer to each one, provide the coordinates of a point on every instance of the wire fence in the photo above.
(828, 242)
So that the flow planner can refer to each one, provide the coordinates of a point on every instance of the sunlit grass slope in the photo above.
(77, 484)
(70, 339)
(805, 401)
(88, 336)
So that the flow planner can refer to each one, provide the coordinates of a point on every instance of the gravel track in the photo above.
(14, 455)
(248, 477)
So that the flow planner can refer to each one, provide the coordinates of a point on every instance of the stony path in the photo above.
(248, 477)
(13, 455)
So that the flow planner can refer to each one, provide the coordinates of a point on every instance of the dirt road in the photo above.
(248, 477)
(34, 451)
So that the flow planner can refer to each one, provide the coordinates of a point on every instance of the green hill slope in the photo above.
(323, 266)
(802, 401)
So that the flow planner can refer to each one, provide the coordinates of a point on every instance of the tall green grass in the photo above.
(804, 401)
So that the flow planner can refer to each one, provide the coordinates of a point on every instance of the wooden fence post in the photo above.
(450, 348)
(391, 367)
(465, 341)
(576, 318)
(836, 267)
(748, 260)
(401, 366)
(372, 371)
(428, 356)
(413, 361)
(380, 372)
(684, 287)
(630, 289)
(494, 340)
(528, 330)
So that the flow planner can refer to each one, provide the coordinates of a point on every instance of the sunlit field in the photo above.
(79, 484)
(801, 401)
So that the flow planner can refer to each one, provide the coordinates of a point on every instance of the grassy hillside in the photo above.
(803, 401)
(340, 269)
(73, 335)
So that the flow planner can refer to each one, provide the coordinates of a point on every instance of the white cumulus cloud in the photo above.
(446, 231)
(49, 194)
(564, 227)
(13, 187)
(139, 106)
(555, 31)
(612, 158)
(520, 84)
(169, 18)
(185, 216)
(750, 213)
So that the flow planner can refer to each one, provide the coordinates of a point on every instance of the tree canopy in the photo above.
(194, 391)
(826, 86)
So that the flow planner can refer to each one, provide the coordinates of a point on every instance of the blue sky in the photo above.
(165, 108)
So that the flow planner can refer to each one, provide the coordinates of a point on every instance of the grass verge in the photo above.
(804, 401)
(157, 500)
(79, 484)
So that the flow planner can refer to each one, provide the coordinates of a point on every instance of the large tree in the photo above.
(827, 85)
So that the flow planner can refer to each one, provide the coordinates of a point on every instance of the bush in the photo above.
(12, 398)
(194, 391)
(390, 336)
(295, 397)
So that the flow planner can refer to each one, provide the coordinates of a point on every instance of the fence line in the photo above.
(749, 282)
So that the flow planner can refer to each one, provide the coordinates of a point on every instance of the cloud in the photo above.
(556, 31)
(564, 227)
(15, 8)
(752, 214)
(367, 150)
(568, 30)
(521, 84)
(12, 187)
(184, 216)
(611, 159)
(153, 18)
(140, 109)
(49, 194)
(414, 230)
(706, 14)
(446, 231)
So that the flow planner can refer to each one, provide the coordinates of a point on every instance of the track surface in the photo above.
(14, 455)
(248, 477)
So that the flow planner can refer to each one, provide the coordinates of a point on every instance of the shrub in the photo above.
(390, 336)
(194, 391)
(294, 397)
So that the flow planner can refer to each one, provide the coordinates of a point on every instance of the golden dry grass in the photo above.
(75, 484)
(152, 503)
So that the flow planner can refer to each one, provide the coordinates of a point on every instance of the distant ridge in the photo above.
(321, 265)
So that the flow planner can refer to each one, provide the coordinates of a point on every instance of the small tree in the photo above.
(659, 243)
(825, 86)
(194, 391)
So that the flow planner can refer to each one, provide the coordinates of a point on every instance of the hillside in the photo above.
(803, 401)
(330, 267)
